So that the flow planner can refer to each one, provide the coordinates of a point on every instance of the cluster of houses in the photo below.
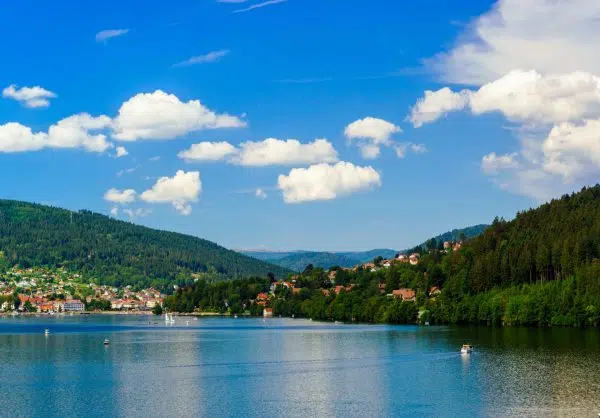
(54, 291)
(403, 294)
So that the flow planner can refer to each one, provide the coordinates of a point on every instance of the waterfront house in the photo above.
(74, 305)
(268, 312)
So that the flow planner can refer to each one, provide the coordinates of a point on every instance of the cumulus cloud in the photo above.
(180, 190)
(76, 132)
(15, 137)
(31, 97)
(114, 211)
(274, 151)
(73, 132)
(121, 152)
(160, 115)
(271, 151)
(547, 35)
(371, 133)
(558, 117)
(208, 151)
(492, 164)
(573, 150)
(326, 182)
(120, 196)
(521, 96)
(105, 35)
(212, 56)
(436, 104)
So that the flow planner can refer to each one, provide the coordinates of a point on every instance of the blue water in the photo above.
(284, 367)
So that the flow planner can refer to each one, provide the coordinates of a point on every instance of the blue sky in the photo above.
(303, 70)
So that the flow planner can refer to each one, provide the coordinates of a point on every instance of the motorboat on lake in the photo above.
(46, 331)
(466, 349)
(106, 341)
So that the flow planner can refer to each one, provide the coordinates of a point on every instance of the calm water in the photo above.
(284, 367)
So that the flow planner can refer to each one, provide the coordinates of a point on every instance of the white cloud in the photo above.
(75, 132)
(160, 115)
(208, 151)
(326, 182)
(547, 35)
(274, 151)
(258, 5)
(371, 133)
(15, 137)
(260, 193)
(271, 151)
(114, 211)
(155, 158)
(137, 213)
(120, 197)
(212, 56)
(31, 97)
(521, 96)
(436, 104)
(72, 132)
(401, 149)
(105, 35)
(121, 152)
(180, 190)
(492, 164)
(573, 150)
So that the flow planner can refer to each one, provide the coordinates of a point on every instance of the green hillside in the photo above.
(540, 269)
(112, 251)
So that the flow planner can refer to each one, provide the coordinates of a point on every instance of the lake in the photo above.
(285, 367)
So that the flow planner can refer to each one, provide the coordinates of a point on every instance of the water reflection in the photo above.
(219, 367)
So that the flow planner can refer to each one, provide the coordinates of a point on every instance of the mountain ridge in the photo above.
(113, 251)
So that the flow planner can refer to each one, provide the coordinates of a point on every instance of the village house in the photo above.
(402, 258)
(414, 259)
(406, 295)
(268, 312)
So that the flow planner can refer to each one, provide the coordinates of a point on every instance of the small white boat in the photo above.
(106, 341)
(235, 316)
(466, 349)
(46, 331)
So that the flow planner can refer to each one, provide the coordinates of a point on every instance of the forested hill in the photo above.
(543, 244)
(112, 251)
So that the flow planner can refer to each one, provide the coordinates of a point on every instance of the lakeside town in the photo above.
(53, 291)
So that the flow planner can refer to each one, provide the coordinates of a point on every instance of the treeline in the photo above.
(114, 252)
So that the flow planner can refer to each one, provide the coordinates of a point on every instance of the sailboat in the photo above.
(169, 318)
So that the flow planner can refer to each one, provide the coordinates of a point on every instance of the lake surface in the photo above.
(284, 367)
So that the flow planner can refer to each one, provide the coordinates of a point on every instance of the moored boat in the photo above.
(466, 349)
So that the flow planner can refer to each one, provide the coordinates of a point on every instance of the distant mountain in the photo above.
(113, 251)
(298, 260)
(366, 256)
